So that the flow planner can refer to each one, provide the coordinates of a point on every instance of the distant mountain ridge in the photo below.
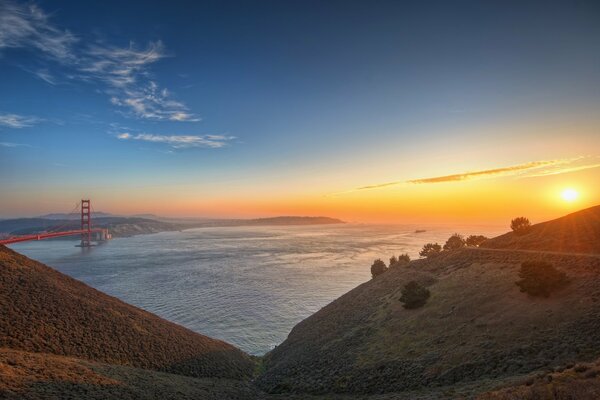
(128, 226)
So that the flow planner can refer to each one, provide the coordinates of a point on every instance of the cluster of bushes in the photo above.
(378, 267)
(454, 242)
(539, 278)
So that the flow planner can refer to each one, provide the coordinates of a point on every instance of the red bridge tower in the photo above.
(86, 223)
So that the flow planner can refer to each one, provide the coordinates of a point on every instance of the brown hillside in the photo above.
(476, 329)
(38, 376)
(42, 310)
(574, 233)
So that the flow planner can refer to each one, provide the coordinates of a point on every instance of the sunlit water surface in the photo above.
(246, 285)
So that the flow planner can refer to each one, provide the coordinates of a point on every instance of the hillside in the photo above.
(35, 376)
(44, 311)
(476, 330)
(578, 232)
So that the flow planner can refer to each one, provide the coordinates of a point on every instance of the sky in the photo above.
(382, 111)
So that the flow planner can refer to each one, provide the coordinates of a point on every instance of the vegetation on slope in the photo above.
(476, 326)
(575, 233)
(25, 375)
(42, 310)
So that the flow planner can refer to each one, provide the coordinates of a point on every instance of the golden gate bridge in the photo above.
(86, 230)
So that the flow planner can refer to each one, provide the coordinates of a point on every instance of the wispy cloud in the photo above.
(124, 71)
(45, 75)
(180, 141)
(27, 26)
(526, 170)
(18, 121)
(7, 144)
(491, 172)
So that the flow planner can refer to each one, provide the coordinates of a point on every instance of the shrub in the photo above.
(475, 240)
(520, 225)
(454, 242)
(414, 295)
(402, 259)
(539, 278)
(378, 268)
(430, 250)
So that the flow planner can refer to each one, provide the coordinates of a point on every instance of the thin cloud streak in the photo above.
(7, 144)
(18, 121)
(488, 172)
(180, 141)
(526, 170)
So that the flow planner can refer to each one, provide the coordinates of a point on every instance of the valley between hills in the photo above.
(477, 337)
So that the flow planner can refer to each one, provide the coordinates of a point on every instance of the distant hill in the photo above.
(290, 220)
(578, 232)
(95, 214)
(476, 331)
(118, 226)
(44, 311)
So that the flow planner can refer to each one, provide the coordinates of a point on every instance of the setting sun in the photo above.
(569, 195)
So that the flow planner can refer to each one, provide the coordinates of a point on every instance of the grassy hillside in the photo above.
(575, 233)
(42, 310)
(25, 375)
(477, 327)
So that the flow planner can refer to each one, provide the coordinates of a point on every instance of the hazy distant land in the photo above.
(121, 226)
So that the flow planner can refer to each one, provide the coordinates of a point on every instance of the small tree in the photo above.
(402, 259)
(475, 240)
(520, 225)
(378, 268)
(454, 242)
(430, 250)
(539, 278)
(414, 295)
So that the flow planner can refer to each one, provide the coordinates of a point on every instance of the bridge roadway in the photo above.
(48, 235)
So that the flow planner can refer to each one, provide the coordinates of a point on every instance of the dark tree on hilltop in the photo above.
(475, 240)
(378, 268)
(539, 278)
(520, 225)
(402, 259)
(430, 250)
(414, 295)
(454, 242)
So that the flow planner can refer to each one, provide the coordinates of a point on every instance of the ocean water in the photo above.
(246, 285)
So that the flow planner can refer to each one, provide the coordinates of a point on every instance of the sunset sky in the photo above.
(366, 111)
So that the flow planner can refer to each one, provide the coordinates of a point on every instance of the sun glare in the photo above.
(569, 195)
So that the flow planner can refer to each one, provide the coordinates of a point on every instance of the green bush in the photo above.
(520, 225)
(539, 278)
(475, 240)
(454, 242)
(414, 295)
(430, 250)
(402, 259)
(378, 268)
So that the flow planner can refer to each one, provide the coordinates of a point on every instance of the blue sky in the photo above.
(215, 99)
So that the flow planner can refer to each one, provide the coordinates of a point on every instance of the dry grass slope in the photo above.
(32, 376)
(42, 310)
(574, 233)
(476, 327)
